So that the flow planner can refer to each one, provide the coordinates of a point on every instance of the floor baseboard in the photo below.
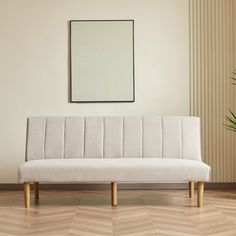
(102, 186)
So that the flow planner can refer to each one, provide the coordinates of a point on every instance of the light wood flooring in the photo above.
(139, 213)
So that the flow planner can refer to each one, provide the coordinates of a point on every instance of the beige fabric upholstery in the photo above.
(152, 137)
(113, 137)
(74, 137)
(132, 137)
(93, 137)
(36, 132)
(126, 149)
(114, 169)
(109, 137)
(172, 137)
(54, 137)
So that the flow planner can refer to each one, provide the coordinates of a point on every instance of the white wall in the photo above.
(34, 64)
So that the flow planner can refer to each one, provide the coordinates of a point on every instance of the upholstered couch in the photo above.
(113, 149)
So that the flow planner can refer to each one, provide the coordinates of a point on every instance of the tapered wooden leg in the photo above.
(27, 194)
(36, 190)
(200, 186)
(191, 189)
(114, 194)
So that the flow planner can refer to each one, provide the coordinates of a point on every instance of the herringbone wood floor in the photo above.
(139, 213)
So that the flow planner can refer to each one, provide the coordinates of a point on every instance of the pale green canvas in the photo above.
(102, 60)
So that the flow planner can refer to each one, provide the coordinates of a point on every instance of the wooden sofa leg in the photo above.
(36, 190)
(113, 193)
(191, 189)
(200, 186)
(27, 194)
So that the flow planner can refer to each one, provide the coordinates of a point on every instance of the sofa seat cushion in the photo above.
(115, 169)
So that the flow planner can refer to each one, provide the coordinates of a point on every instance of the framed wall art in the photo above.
(102, 60)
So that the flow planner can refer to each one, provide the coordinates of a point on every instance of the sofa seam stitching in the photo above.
(84, 124)
(162, 138)
(103, 136)
(181, 130)
(64, 137)
(123, 140)
(142, 141)
(45, 136)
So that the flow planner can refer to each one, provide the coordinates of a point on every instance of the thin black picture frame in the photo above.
(70, 62)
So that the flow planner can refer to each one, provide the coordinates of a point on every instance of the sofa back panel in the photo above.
(191, 138)
(152, 137)
(113, 137)
(172, 137)
(35, 138)
(74, 137)
(54, 137)
(93, 137)
(132, 137)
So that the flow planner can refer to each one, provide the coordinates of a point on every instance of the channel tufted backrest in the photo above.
(113, 137)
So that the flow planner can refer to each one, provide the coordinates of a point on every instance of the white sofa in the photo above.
(113, 149)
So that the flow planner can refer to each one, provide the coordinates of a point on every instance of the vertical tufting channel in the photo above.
(54, 143)
(113, 137)
(152, 137)
(74, 137)
(94, 137)
(171, 137)
(35, 138)
(132, 136)
(191, 138)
